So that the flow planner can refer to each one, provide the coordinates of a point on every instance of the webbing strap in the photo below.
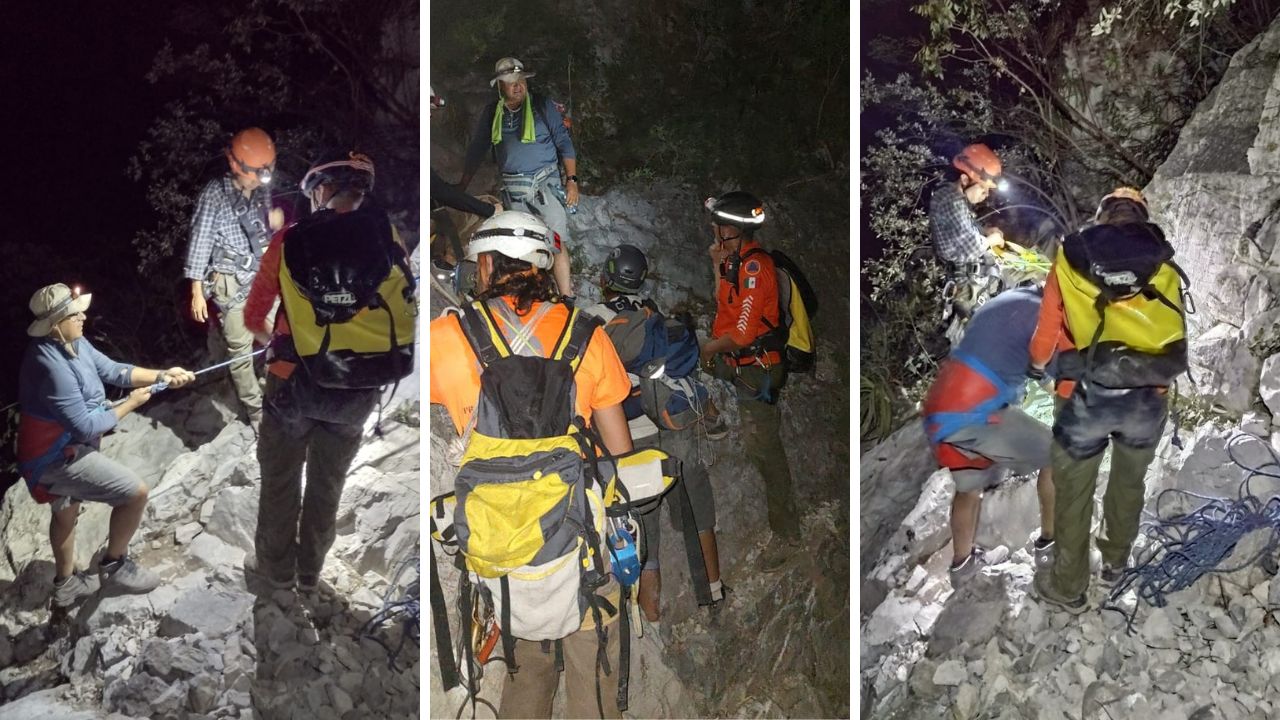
(508, 640)
(476, 330)
(444, 643)
(465, 613)
(559, 655)
(692, 546)
(624, 649)
(949, 422)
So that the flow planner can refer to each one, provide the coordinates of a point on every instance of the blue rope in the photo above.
(405, 609)
(1183, 548)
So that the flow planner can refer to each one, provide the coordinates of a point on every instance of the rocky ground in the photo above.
(203, 645)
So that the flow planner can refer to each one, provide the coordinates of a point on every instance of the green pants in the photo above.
(1075, 480)
(757, 391)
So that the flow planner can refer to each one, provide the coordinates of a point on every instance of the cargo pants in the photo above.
(758, 390)
(236, 339)
(1131, 421)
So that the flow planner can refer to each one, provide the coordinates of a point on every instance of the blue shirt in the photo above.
(999, 334)
(550, 143)
(53, 385)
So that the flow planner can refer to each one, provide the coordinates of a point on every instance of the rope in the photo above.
(162, 386)
(406, 609)
(1183, 548)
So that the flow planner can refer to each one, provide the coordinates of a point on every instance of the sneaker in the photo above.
(78, 586)
(716, 429)
(126, 576)
(1042, 551)
(251, 571)
(978, 558)
(1043, 591)
(1111, 574)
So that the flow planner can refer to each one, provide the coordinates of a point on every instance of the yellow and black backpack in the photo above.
(797, 304)
(350, 296)
(1125, 303)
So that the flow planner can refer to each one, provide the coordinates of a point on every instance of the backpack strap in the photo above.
(480, 332)
(444, 643)
(575, 337)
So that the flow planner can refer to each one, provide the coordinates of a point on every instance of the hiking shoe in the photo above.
(978, 558)
(716, 429)
(1043, 590)
(126, 576)
(1042, 551)
(251, 572)
(75, 588)
(1111, 574)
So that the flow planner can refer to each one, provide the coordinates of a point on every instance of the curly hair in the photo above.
(519, 280)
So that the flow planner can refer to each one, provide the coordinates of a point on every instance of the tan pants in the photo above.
(236, 339)
(529, 692)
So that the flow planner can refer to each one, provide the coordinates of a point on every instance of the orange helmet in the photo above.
(1131, 194)
(979, 163)
(252, 154)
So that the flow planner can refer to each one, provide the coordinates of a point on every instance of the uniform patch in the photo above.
(752, 267)
(751, 283)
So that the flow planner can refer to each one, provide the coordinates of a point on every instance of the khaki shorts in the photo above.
(1018, 443)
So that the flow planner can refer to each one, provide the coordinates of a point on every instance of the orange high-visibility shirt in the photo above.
(751, 309)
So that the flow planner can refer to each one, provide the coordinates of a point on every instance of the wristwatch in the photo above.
(572, 178)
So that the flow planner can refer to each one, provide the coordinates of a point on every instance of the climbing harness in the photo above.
(1182, 548)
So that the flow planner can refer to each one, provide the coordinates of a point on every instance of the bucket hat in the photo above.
(53, 303)
(509, 70)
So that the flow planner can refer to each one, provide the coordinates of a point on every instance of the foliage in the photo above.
(676, 90)
(314, 74)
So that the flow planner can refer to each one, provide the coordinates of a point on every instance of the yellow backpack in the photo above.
(1123, 296)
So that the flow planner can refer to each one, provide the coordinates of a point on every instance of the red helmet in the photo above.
(252, 154)
(979, 163)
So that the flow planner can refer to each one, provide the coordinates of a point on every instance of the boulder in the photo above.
(212, 612)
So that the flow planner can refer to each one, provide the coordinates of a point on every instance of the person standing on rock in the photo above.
(64, 416)
(976, 429)
(309, 421)
(513, 251)
(621, 279)
(230, 228)
(529, 138)
(742, 352)
(1119, 350)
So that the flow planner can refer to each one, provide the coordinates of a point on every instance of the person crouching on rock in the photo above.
(64, 415)
(976, 429)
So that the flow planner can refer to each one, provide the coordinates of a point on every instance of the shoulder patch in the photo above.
(752, 267)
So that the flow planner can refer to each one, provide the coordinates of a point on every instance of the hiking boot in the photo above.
(717, 428)
(251, 572)
(76, 587)
(978, 558)
(1043, 590)
(1111, 574)
(1042, 551)
(126, 576)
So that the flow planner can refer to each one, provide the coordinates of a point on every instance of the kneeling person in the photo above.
(976, 429)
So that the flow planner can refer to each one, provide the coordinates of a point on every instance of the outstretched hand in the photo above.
(176, 377)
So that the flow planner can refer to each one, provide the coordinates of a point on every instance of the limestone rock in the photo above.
(211, 612)
(235, 516)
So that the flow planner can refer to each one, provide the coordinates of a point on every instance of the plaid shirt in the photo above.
(215, 225)
(952, 227)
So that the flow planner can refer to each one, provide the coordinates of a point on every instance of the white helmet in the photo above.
(519, 236)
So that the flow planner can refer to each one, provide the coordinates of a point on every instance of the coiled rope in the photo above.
(406, 609)
(1182, 548)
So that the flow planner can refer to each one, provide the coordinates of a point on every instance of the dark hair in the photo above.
(511, 278)
(1120, 211)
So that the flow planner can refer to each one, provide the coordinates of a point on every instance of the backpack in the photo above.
(797, 303)
(350, 297)
(1123, 297)
(661, 354)
(537, 502)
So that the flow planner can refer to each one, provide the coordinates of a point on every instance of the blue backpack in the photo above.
(663, 354)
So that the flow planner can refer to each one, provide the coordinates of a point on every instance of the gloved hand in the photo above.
(1035, 373)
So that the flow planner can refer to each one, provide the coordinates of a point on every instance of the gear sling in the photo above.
(528, 513)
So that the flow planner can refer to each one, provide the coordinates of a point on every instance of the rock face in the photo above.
(779, 648)
(1218, 197)
(208, 643)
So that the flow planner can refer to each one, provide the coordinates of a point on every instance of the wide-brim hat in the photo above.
(508, 70)
(52, 304)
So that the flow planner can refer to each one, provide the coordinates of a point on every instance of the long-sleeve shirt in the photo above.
(450, 196)
(953, 228)
(57, 387)
(215, 224)
(550, 143)
(1052, 334)
(749, 310)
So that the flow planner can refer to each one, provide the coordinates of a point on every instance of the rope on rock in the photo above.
(406, 609)
(1182, 548)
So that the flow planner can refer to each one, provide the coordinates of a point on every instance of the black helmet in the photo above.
(626, 269)
(348, 169)
(738, 209)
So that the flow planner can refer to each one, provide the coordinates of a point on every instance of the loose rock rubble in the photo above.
(203, 645)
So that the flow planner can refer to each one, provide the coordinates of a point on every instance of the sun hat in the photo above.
(509, 70)
(52, 304)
